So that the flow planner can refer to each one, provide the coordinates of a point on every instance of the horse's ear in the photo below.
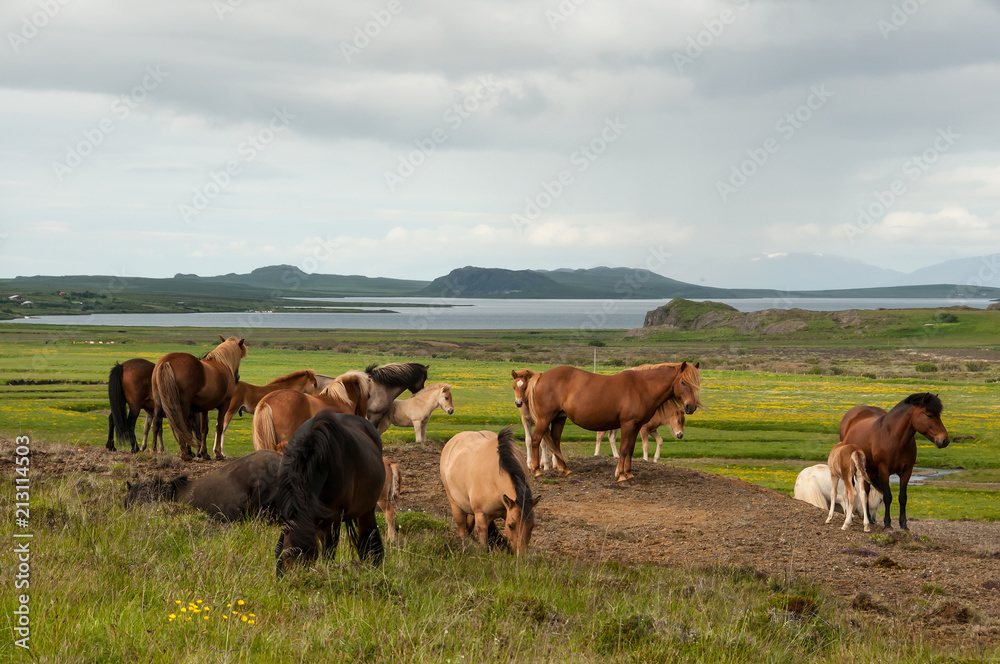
(684, 365)
(507, 502)
(243, 342)
(513, 373)
(534, 501)
(222, 338)
(697, 365)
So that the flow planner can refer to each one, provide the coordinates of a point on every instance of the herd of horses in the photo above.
(318, 459)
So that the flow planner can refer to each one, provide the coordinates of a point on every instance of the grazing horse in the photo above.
(390, 494)
(485, 479)
(888, 440)
(416, 411)
(332, 472)
(185, 387)
(670, 412)
(130, 384)
(847, 463)
(280, 413)
(625, 400)
(246, 487)
(388, 382)
(524, 380)
(247, 396)
(813, 486)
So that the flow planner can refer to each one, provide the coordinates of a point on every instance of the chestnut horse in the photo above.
(416, 411)
(388, 382)
(670, 413)
(332, 472)
(847, 462)
(130, 385)
(625, 400)
(280, 413)
(888, 441)
(247, 396)
(485, 479)
(185, 387)
(524, 381)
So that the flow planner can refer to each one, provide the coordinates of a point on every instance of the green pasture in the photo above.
(767, 419)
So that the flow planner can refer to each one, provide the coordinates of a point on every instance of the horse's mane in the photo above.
(338, 388)
(529, 395)
(309, 450)
(931, 402)
(294, 375)
(398, 374)
(229, 353)
(513, 464)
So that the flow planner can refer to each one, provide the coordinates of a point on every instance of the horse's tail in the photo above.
(264, 435)
(116, 397)
(860, 466)
(169, 396)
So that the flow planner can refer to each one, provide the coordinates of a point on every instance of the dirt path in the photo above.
(945, 582)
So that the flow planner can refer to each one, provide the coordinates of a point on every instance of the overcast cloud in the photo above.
(404, 139)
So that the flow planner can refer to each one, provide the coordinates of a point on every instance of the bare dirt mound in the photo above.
(944, 576)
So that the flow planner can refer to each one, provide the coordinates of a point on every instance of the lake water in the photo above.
(472, 313)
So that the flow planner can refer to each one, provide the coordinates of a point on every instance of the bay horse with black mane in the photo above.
(332, 472)
(888, 440)
(388, 382)
(185, 387)
(130, 386)
(625, 400)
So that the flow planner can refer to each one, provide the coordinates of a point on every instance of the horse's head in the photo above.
(674, 411)
(296, 542)
(688, 386)
(927, 418)
(521, 378)
(519, 523)
(444, 400)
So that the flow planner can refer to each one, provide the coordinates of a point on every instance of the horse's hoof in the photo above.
(538, 473)
(566, 472)
(867, 529)
(220, 457)
(621, 478)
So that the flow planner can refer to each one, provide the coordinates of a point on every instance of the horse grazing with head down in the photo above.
(389, 381)
(332, 472)
(185, 387)
(625, 400)
(130, 386)
(888, 440)
(280, 413)
(416, 411)
(246, 487)
(485, 479)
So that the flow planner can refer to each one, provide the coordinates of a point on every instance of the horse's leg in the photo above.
(370, 545)
(864, 501)
(203, 443)
(849, 508)
(541, 426)
(659, 444)
(597, 449)
(527, 437)
(645, 443)
(220, 434)
(904, 479)
(556, 449)
(834, 481)
(630, 432)
(133, 417)
(482, 529)
(883, 478)
(422, 426)
(461, 520)
(110, 445)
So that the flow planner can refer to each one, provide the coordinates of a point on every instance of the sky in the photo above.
(402, 139)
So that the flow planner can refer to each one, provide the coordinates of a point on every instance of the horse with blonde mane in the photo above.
(186, 388)
(416, 411)
(247, 396)
(280, 413)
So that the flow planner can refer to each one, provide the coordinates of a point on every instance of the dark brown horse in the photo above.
(332, 472)
(888, 441)
(279, 414)
(246, 487)
(389, 381)
(185, 386)
(625, 400)
(130, 386)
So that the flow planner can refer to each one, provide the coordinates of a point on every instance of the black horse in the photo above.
(247, 486)
(332, 472)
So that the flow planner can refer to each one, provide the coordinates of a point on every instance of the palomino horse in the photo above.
(524, 380)
(888, 441)
(625, 400)
(485, 479)
(130, 384)
(247, 396)
(847, 463)
(390, 495)
(388, 382)
(416, 411)
(280, 413)
(332, 472)
(246, 487)
(185, 386)
(670, 412)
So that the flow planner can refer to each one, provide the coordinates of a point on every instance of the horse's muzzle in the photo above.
(943, 442)
(679, 435)
(450, 411)
(517, 402)
(689, 409)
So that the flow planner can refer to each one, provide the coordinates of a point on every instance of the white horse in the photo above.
(416, 411)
